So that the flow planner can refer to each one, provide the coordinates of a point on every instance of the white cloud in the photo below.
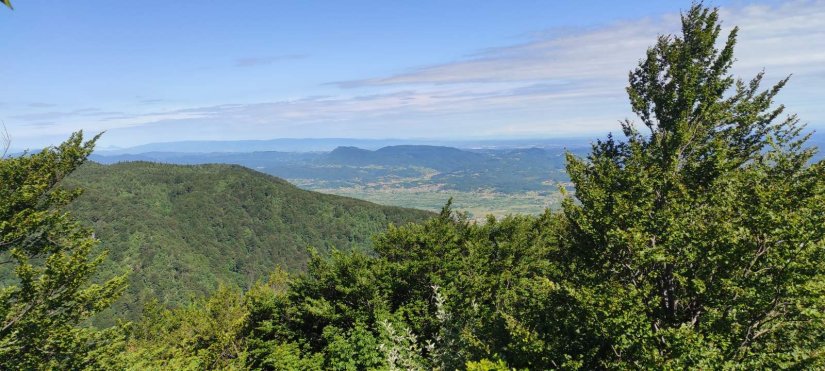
(788, 36)
(555, 83)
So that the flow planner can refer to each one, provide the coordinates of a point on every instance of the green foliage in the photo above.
(701, 243)
(182, 230)
(427, 299)
(696, 246)
(487, 365)
(221, 331)
(435, 295)
(47, 293)
(203, 334)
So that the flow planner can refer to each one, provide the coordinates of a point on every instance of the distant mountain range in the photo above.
(484, 177)
(328, 144)
(502, 170)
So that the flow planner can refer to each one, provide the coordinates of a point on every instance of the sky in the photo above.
(160, 71)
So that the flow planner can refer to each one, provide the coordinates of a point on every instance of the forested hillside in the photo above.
(696, 241)
(181, 230)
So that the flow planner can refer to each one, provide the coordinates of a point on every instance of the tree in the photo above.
(205, 334)
(50, 296)
(700, 242)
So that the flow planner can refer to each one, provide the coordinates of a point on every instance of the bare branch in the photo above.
(5, 138)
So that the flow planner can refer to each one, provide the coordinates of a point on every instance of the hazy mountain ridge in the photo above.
(454, 168)
(329, 144)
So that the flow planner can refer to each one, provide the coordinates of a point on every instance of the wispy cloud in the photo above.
(55, 115)
(555, 83)
(790, 36)
(261, 61)
(41, 105)
(42, 124)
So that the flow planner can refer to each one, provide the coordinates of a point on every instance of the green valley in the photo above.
(497, 181)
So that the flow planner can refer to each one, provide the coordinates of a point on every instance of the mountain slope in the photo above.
(181, 230)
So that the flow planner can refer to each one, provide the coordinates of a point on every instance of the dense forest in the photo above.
(694, 242)
(182, 230)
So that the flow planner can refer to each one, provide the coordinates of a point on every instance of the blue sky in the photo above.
(157, 71)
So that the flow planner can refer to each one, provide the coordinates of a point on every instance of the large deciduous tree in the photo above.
(50, 295)
(699, 238)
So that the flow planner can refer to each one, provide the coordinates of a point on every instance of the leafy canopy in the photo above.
(705, 227)
(695, 243)
(42, 307)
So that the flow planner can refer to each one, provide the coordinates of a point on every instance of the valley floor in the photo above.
(478, 204)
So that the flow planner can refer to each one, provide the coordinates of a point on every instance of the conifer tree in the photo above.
(42, 309)
(700, 236)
